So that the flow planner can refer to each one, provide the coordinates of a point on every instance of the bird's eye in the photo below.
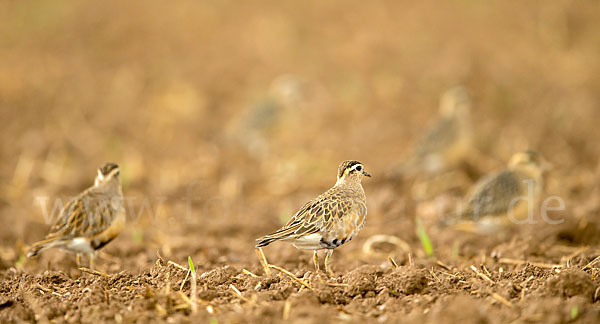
(359, 168)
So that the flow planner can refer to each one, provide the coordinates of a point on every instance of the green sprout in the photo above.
(455, 249)
(574, 312)
(191, 263)
(138, 236)
(193, 283)
(424, 238)
(20, 261)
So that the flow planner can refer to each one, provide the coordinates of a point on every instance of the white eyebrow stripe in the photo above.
(355, 166)
(114, 171)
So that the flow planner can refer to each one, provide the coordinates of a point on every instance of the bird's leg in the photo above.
(78, 260)
(316, 260)
(327, 259)
(92, 255)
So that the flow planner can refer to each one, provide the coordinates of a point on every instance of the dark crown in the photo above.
(108, 167)
(345, 165)
(532, 156)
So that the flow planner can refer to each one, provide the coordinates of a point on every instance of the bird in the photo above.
(90, 220)
(330, 220)
(447, 142)
(504, 197)
(264, 120)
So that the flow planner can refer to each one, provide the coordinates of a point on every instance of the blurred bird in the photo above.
(264, 119)
(447, 142)
(505, 197)
(89, 221)
(331, 219)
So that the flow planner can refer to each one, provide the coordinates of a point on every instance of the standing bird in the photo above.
(446, 143)
(330, 220)
(265, 120)
(505, 197)
(89, 221)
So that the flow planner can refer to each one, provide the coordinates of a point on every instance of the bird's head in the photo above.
(108, 173)
(529, 161)
(455, 102)
(352, 171)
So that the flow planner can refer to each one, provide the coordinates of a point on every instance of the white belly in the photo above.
(308, 242)
(78, 245)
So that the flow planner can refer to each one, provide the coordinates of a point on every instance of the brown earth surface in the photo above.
(226, 117)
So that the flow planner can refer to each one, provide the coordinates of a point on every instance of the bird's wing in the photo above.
(316, 215)
(495, 195)
(86, 215)
(437, 138)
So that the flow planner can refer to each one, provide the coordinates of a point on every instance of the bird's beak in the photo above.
(366, 174)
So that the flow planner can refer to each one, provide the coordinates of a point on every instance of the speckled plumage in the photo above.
(91, 220)
(331, 219)
(448, 141)
(502, 195)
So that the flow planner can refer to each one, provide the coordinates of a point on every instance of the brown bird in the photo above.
(447, 142)
(331, 219)
(504, 197)
(89, 221)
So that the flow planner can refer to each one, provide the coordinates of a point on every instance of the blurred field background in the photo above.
(255, 104)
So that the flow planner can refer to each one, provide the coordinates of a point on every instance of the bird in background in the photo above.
(502, 198)
(256, 126)
(331, 219)
(89, 221)
(447, 142)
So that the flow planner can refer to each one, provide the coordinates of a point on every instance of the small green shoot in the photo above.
(20, 261)
(424, 238)
(138, 236)
(193, 284)
(455, 249)
(191, 265)
(574, 312)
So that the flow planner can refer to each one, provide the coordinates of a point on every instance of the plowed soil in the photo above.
(225, 118)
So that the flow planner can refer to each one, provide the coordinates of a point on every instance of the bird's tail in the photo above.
(451, 219)
(282, 234)
(461, 226)
(268, 239)
(461, 222)
(265, 241)
(39, 246)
